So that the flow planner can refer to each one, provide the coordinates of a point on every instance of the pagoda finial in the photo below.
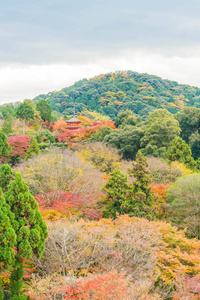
(74, 106)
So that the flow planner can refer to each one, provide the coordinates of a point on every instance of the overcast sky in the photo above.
(46, 45)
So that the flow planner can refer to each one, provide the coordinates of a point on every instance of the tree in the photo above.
(7, 126)
(179, 150)
(184, 204)
(24, 112)
(126, 117)
(19, 145)
(126, 140)
(101, 156)
(45, 110)
(189, 121)
(4, 147)
(117, 190)
(140, 205)
(33, 148)
(99, 135)
(160, 128)
(6, 176)
(29, 227)
(8, 111)
(194, 143)
(7, 239)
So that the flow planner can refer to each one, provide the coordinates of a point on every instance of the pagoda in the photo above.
(73, 123)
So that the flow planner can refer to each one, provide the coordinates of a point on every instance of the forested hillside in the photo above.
(107, 209)
(114, 92)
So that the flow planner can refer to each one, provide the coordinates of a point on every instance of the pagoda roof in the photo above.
(74, 120)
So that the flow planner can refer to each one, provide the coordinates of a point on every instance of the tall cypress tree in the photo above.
(117, 190)
(33, 149)
(29, 227)
(4, 147)
(140, 204)
(7, 239)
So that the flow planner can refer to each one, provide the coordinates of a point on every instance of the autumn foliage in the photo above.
(19, 144)
(83, 134)
(106, 286)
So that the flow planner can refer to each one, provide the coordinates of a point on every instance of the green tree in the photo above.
(117, 190)
(99, 135)
(29, 227)
(8, 111)
(194, 143)
(24, 112)
(183, 199)
(6, 176)
(126, 117)
(179, 150)
(140, 204)
(45, 110)
(7, 239)
(189, 121)
(126, 140)
(160, 128)
(4, 147)
(7, 126)
(33, 149)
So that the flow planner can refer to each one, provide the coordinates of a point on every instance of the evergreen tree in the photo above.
(24, 112)
(7, 126)
(123, 198)
(194, 143)
(7, 239)
(4, 147)
(189, 122)
(142, 197)
(33, 149)
(160, 128)
(45, 110)
(6, 176)
(179, 150)
(117, 190)
(29, 227)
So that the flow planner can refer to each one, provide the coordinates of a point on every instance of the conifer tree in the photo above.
(4, 147)
(140, 204)
(29, 227)
(179, 150)
(6, 176)
(33, 149)
(7, 239)
(7, 126)
(24, 112)
(117, 190)
(45, 110)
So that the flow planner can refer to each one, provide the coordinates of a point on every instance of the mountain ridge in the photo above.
(112, 93)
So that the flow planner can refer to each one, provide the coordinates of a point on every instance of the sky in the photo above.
(47, 45)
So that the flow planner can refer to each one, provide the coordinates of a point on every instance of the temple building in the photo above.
(73, 123)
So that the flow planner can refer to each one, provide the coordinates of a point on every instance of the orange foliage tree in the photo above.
(160, 190)
(106, 286)
(59, 127)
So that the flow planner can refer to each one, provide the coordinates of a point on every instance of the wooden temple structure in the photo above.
(73, 123)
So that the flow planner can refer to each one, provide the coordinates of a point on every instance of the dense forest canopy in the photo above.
(112, 93)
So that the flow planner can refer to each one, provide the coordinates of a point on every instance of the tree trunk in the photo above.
(23, 125)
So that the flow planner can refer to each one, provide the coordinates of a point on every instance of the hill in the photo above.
(111, 93)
